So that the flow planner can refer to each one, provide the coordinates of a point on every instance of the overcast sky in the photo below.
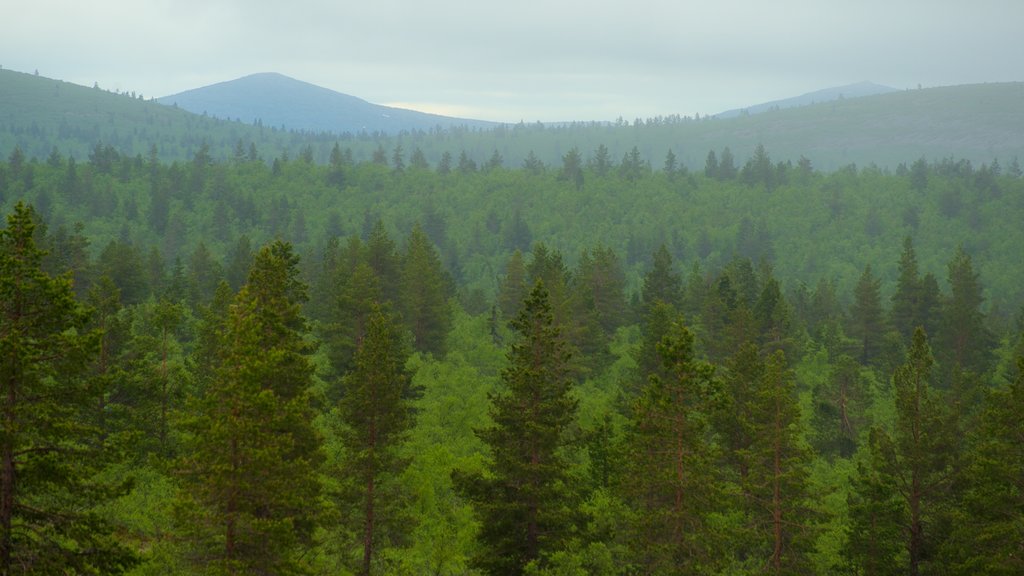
(546, 60)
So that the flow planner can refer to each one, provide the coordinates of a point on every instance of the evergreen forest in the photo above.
(597, 364)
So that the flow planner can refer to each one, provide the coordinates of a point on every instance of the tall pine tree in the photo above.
(375, 417)
(526, 503)
(249, 471)
(671, 480)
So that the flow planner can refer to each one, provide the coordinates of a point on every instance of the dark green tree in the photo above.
(670, 479)
(989, 526)
(375, 417)
(867, 319)
(424, 294)
(914, 464)
(964, 341)
(661, 283)
(840, 409)
(905, 314)
(512, 291)
(49, 451)
(248, 475)
(526, 503)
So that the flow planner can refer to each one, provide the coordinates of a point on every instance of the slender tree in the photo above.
(424, 294)
(670, 479)
(867, 320)
(249, 470)
(526, 503)
(914, 464)
(375, 417)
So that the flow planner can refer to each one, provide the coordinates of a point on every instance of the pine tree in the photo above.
(906, 301)
(526, 503)
(670, 479)
(988, 532)
(840, 406)
(964, 341)
(49, 452)
(776, 462)
(867, 320)
(512, 291)
(249, 471)
(424, 294)
(375, 416)
(913, 464)
(661, 282)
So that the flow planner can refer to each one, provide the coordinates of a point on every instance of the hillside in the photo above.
(978, 123)
(857, 90)
(277, 100)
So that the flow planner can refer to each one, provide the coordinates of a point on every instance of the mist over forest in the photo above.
(786, 340)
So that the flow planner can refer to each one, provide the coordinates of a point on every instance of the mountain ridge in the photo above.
(856, 90)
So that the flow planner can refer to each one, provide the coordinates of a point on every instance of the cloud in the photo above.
(531, 59)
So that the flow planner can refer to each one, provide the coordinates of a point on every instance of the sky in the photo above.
(522, 60)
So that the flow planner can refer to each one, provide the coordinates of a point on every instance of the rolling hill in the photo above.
(978, 123)
(277, 100)
(857, 90)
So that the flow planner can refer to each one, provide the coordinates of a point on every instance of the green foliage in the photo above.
(247, 473)
(49, 451)
(526, 503)
(375, 418)
(670, 475)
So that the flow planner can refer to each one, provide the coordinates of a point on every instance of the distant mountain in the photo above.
(978, 122)
(276, 100)
(817, 97)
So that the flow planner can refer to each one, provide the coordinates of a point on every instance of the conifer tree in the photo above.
(670, 478)
(661, 282)
(512, 291)
(249, 471)
(526, 503)
(840, 406)
(49, 452)
(376, 416)
(906, 301)
(780, 520)
(914, 463)
(424, 294)
(867, 320)
(964, 342)
(989, 526)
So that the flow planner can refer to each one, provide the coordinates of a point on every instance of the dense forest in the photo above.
(590, 366)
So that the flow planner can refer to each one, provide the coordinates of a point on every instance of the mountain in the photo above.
(819, 96)
(276, 100)
(979, 123)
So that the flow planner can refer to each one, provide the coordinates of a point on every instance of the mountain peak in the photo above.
(278, 100)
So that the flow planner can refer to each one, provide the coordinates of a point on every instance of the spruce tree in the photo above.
(526, 503)
(50, 449)
(249, 471)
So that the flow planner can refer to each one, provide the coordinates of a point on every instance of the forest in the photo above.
(593, 366)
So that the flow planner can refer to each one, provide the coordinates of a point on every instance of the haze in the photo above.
(528, 60)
